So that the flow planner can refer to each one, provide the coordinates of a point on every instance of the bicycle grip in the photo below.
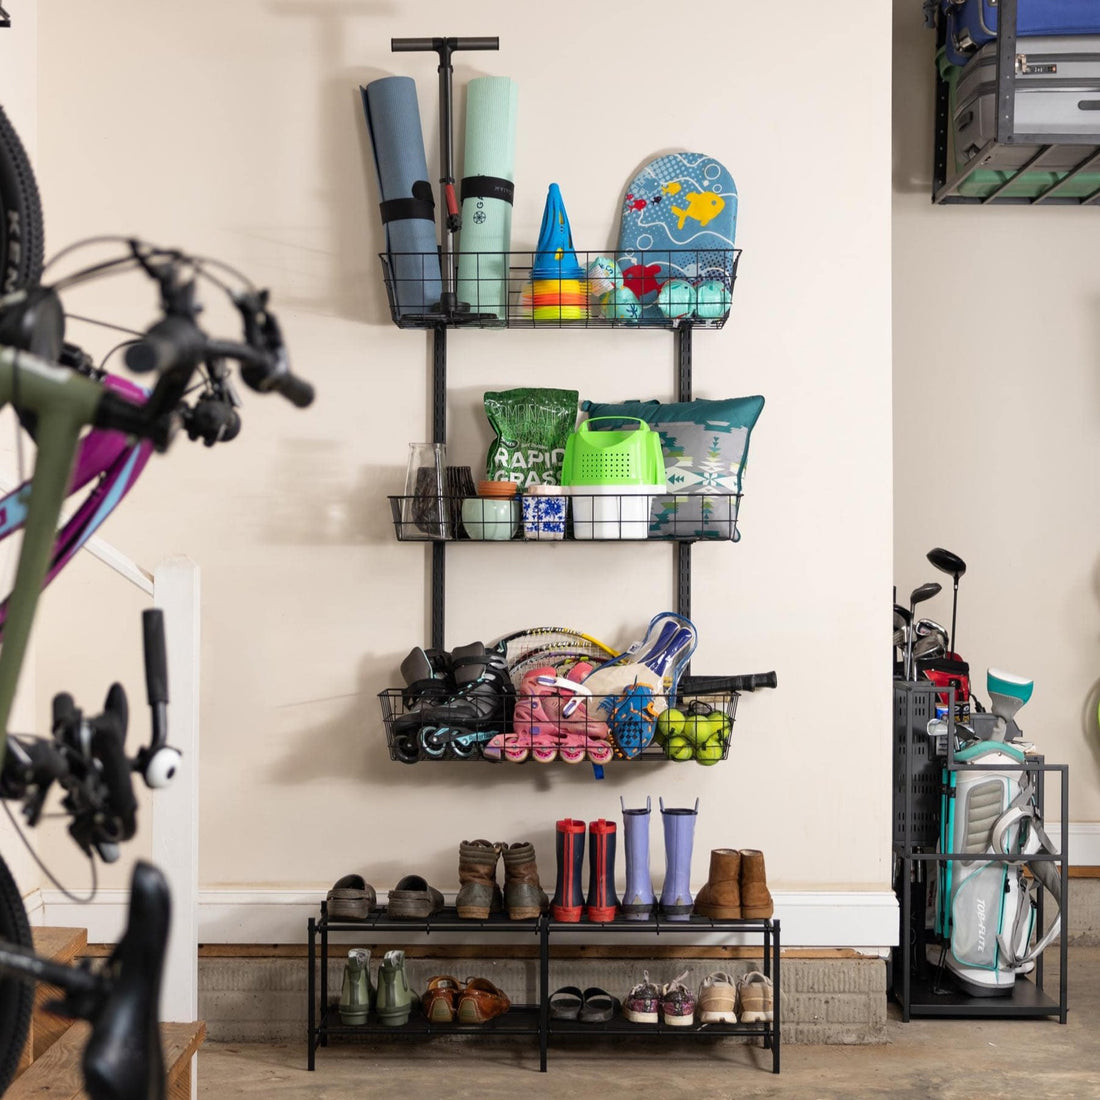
(156, 658)
(748, 682)
(296, 390)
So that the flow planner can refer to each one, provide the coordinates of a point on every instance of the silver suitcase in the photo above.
(1057, 93)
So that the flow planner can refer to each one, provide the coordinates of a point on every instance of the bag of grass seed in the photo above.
(532, 427)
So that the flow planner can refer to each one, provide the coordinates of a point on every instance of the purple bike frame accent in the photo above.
(109, 459)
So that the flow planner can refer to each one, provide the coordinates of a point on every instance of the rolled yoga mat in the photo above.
(487, 189)
(407, 206)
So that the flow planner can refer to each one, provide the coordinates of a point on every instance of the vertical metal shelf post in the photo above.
(439, 435)
(683, 549)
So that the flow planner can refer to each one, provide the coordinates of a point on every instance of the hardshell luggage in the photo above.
(973, 23)
(1057, 94)
(999, 168)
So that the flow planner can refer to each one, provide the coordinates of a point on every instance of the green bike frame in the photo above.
(64, 403)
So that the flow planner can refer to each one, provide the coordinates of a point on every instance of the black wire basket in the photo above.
(686, 517)
(626, 727)
(658, 289)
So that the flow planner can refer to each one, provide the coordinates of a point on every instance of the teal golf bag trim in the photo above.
(986, 909)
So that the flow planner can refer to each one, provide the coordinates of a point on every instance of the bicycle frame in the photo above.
(64, 404)
(104, 455)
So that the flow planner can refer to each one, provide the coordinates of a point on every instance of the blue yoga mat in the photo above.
(488, 173)
(408, 209)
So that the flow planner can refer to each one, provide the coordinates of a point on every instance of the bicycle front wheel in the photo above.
(21, 231)
(16, 996)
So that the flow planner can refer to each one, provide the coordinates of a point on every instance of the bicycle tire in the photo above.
(16, 996)
(22, 235)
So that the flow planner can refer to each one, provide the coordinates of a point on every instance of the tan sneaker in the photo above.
(754, 996)
(717, 999)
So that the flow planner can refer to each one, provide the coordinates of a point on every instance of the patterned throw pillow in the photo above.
(705, 445)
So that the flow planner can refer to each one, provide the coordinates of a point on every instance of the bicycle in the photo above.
(93, 429)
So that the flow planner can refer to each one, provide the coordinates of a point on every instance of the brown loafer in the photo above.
(351, 899)
(440, 998)
(481, 1001)
(412, 899)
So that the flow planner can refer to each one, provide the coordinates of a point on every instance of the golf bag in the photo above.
(986, 908)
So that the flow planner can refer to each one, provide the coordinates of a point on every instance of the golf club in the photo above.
(954, 567)
(918, 595)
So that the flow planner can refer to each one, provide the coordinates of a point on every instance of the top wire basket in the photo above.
(658, 289)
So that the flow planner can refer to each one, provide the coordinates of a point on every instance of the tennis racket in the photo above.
(557, 647)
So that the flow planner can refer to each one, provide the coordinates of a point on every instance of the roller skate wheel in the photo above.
(600, 753)
(572, 755)
(545, 755)
(432, 742)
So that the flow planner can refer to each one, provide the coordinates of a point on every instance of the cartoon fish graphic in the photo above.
(635, 204)
(702, 208)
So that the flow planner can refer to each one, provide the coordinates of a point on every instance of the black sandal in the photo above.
(565, 1003)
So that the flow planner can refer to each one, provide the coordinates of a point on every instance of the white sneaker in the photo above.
(754, 996)
(717, 999)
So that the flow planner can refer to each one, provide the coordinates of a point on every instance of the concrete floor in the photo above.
(946, 1059)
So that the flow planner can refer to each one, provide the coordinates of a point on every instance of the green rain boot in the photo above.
(356, 994)
(395, 999)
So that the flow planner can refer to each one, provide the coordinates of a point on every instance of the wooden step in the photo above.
(62, 945)
(56, 1074)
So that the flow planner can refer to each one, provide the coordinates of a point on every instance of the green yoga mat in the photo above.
(487, 188)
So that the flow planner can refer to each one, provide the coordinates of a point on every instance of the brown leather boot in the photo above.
(756, 900)
(478, 894)
(524, 897)
(721, 897)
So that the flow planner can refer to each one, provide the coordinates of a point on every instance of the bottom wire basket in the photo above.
(558, 724)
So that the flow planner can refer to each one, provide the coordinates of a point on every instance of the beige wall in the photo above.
(236, 129)
(996, 429)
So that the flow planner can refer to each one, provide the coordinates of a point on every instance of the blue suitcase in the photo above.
(973, 23)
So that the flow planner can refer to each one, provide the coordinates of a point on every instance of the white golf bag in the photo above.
(986, 908)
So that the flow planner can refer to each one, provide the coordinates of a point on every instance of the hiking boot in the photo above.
(441, 998)
(478, 894)
(524, 897)
(394, 1001)
(756, 899)
(481, 1001)
(642, 1005)
(754, 997)
(720, 898)
(678, 1003)
(356, 994)
(717, 1003)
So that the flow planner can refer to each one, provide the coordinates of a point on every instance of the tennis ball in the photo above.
(669, 722)
(697, 729)
(679, 747)
(711, 752)
(720, 725)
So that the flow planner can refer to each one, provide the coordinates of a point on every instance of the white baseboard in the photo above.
(863, 920)
(866, 920)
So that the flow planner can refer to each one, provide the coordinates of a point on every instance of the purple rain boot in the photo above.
(676, 901)
(638, 899)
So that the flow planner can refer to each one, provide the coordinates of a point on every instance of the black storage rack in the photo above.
(530, 1019)
(1039, 149)
(915, 842)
